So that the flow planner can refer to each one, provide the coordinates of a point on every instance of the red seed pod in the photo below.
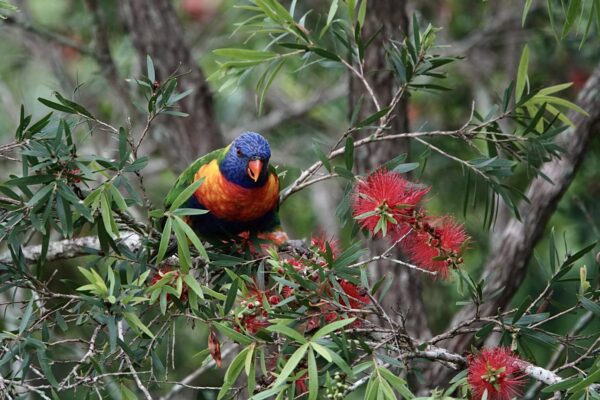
(273, 300)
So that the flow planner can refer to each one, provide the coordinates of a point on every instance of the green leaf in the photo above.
(250, 359)
(26, 316)
(232, 334)
(593, 377)
(322, 157)
(40, 195)
(325, 53)
(178, 97)
(194, 285)
(291, 364)
(344, 173)
(416, 33)
(245, 54)
(123, 153)
(330, 15)
(329, 328)
(406, 167)
(107, 217)
(192, 237)
(126, 393)
(5, 5)
(137, 165)
(286, 330)
(313, 376)
(150, 69)
(64, 215)
(183, 249)
(231, 295)
(164, 241)
(349, 153)
(322, 350)
(398, 383)
(562, 385)
(213, 294)
(269, 393)
(77, 108)
(188, 211)
(559, 102)
(362, 12)
(521, 310)
(118, 198)
(56, 106)
(234, 370)
(45, 366)
(394, 162)
(373, 117)
(526, 11)
(554, 89)
(573, 11)
(522, 73)
(266, 80)
(134, 321)
(590, 305)
(186, 194)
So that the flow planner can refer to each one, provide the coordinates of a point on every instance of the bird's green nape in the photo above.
(187, 176)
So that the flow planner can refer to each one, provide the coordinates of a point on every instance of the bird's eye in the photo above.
(239, 152)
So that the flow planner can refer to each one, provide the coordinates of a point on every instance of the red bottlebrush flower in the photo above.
(301, 386)
(331, 316)
(357, 296)
(287, 291)
(314, 323)
(383, 200)
(174, 275)
(73, 175)
(214, 347)
(497, 371)
(435, 246)
(297, 264)
(357, 299)
(252, 316)
(319, 243)
(254, 323)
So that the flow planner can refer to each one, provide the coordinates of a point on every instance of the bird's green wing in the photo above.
(273, 170)
(187, 176)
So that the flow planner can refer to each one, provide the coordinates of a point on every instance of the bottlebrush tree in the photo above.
(300, 321)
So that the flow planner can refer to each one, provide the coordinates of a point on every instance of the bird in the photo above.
(240, 191)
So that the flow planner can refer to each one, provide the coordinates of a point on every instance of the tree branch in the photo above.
(72, 248)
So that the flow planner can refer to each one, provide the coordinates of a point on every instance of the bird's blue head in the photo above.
(246, 163)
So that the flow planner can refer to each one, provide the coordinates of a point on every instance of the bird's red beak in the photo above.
(254, 169)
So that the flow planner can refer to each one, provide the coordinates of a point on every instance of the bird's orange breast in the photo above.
(232, 202)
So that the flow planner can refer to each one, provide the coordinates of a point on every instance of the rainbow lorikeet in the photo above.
(240, 191)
